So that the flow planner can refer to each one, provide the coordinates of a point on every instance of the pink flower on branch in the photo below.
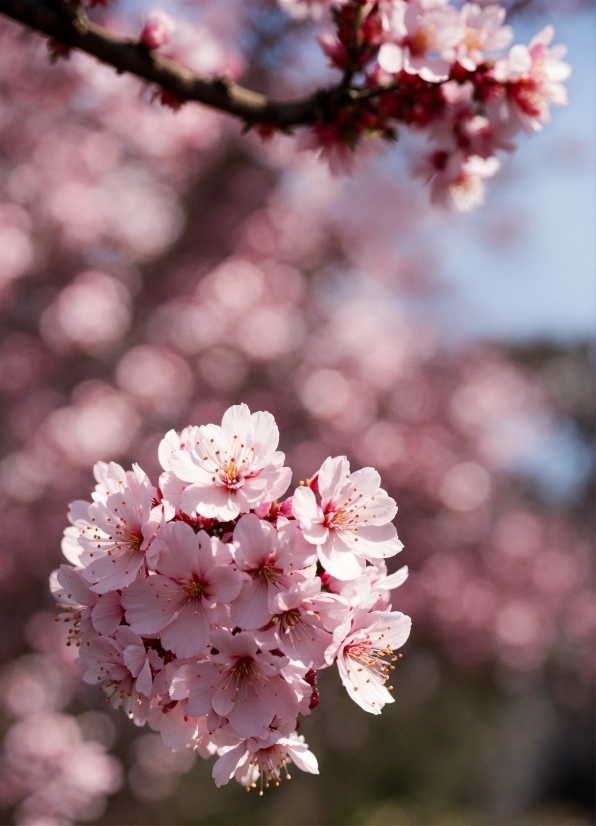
(374, 582)
(239, 682)
(533, 76)
(378, 48)
(352, 521)
(273, 559)
(120, 533)
(419, 39)
(363, 647)
(264, 759)
(457, 180)
(84, 610)
(484, 35)
(299, 623)
(194, 579)
(233, 468)
(123, 669)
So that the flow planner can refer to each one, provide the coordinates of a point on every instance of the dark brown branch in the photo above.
(125, 55)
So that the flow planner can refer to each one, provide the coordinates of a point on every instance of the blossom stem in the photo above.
(126, 55)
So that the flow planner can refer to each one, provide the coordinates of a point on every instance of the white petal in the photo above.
(391, 58)
(338, 559)
(224, 768)
(265, 437)
(332, 477)
(235, 424)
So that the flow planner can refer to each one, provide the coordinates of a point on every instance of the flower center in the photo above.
(270, 763)
(269, 573)
(194, 589)
(243, 668)
(526, 95)
(472, 39)
(377, 660)
(229, 474)
(289, 619)
(421, 41)
(130, 537)
(335, 518)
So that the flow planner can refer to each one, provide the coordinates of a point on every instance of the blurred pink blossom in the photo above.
(157, 29)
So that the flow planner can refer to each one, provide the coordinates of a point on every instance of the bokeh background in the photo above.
(156, 267)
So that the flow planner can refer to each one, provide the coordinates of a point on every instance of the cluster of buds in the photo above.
(441, 69)
(205, 606)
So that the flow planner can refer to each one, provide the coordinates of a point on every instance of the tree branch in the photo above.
(126, 55)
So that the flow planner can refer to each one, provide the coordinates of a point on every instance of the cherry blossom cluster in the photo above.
(441, 69)
(205, 606)
(448, 72)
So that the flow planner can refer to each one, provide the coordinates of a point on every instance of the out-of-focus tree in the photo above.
(154, 268)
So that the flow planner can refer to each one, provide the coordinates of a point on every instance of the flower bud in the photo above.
(157, 29)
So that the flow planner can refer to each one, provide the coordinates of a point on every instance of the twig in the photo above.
(126, 55)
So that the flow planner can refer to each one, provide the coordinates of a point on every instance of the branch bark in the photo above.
(126, 55)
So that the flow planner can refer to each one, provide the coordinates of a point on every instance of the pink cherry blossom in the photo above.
(226, 620)
(157, 29)
(265, 759)
(232, 468)
(240, 682)
(457, 179)
(330, 144)
(84, 609)
(121, 531)
(170, 486)
(78, 516)
(173, 441)
(420, 38)
(461, 129)
(177, 728)
(483, 36)
(299, 629)
(193, 578)
(383, 584)
(374, 581)
(361, 645)
(352, 523)
(123, 669)
(273, 559)
(110, 478)
(334, 49)
(534, 75)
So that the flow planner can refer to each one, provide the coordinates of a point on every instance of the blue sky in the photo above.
(540, 284)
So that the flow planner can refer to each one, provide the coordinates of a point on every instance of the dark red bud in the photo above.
(311, 678)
